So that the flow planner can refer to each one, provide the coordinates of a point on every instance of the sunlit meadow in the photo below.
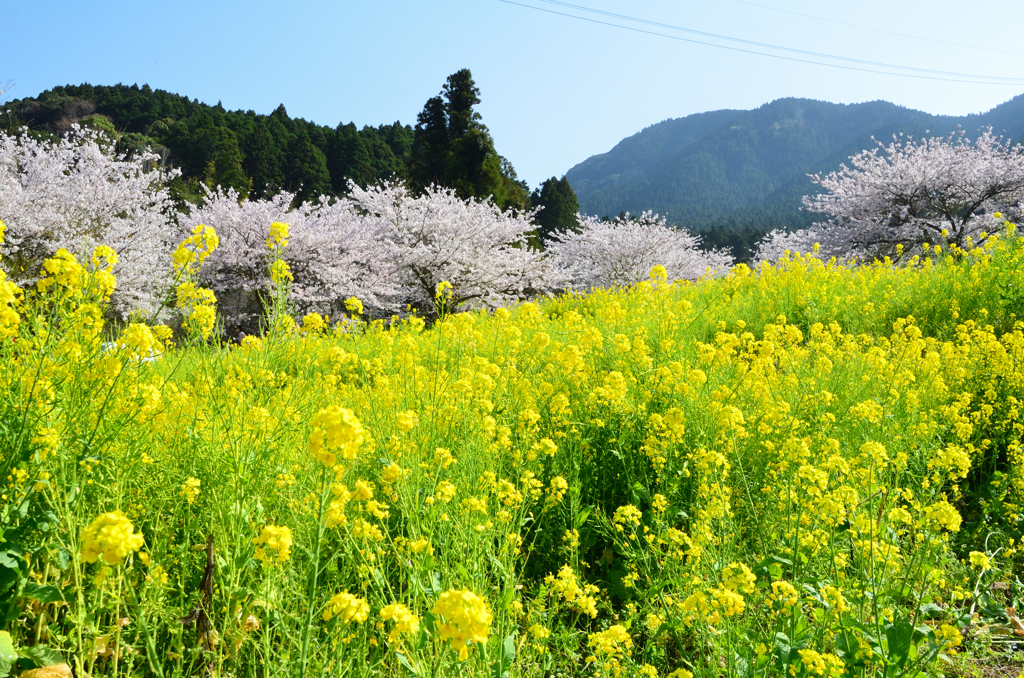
(800, 470)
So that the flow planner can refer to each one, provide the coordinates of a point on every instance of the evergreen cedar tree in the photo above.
(452, 148)
(560, 208)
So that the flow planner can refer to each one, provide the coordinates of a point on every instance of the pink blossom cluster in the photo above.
(895, 198)
(384, 245)
(76, 193)
(623, 251)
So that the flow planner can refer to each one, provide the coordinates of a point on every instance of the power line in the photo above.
(878, 30)
(961, 77)
(784, 49)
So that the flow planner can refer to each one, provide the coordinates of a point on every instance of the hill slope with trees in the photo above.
(728, 172)
(259, 155)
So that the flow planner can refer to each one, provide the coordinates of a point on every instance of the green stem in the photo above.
(304, 655)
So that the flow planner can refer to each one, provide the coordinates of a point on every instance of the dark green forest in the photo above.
(258, 154)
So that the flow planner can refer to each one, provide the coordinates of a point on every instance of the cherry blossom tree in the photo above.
(623, 251)
(480, 250)
(333, 253)
(75, 194)
(893, 198)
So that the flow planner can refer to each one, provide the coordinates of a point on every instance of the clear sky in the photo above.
(555, 89)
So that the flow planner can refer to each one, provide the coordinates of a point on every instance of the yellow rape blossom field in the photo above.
(805, 470)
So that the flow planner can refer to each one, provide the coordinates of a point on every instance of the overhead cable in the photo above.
(919, 73)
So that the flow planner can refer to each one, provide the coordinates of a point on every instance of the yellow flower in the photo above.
(611, 642)
(314, 323)
(444, 291)
(276, 538)
(278, 239)
(565, 586)
(834, 598)
(942, 514)
(10, 301)
(467, 619)
(738, 577)
(818, 664)
(784, 593)
(445, 491)
(190, 490)
(64, 271)
(139, 341)
(47, 440)
(104, 258)
(195, 249)
(363, 491)
(392, 474)
(407, 420)
(948, 635)
(201, 320)
(335, 430)
(725, 603)
(557, 489)
(539, 632)
(111, 537)
(625, 516)
(354, 306)
(443, 457)
(347, 607)
(980, 561)
(405, 621)
(280, 272)
(421, 546)
(659, 273)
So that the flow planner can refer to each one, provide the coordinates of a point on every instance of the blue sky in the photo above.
(555, 89)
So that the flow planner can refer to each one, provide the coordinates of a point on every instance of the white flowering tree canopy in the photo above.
(623, 251)
(75, 194)
(480, 250)
(896, 197)
(384, 245)
(333, 252)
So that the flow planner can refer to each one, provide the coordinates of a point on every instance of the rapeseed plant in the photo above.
(796, 470)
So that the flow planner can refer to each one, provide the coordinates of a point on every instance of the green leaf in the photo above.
(498, 566)
(435, 582)
(429, 624)
(503, 663)
(506, 598)
(9, 559)
(582, 516)
(44, 594)
(900, 637)
(7, 654)
(41, 655)
(770, 569)
(401, 660)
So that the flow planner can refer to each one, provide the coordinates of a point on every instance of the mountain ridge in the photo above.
(748, 169)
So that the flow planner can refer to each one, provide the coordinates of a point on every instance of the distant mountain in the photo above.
(743, 170)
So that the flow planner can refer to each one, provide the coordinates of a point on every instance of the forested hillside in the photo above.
(259, 155)
(739, 171)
